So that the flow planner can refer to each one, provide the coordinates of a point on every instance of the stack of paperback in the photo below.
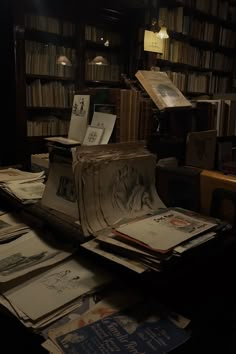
(11, 227)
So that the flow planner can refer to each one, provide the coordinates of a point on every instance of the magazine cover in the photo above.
(140, 329)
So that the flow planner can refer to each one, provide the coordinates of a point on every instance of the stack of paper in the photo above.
(55, 292)
(114, 183)
(25, 255)
(27, 187)
(11, 227)
(155, 241)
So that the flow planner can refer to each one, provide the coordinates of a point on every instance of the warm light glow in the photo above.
(163, 33)
(99, 60)
(63, 60)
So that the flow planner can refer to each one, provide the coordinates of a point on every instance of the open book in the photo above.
(161, 89)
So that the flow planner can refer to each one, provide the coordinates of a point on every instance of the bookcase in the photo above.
(199, 55)
(45, 89)
(49, 86)
(103, 56)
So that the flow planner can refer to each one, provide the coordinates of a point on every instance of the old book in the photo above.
(161, 89)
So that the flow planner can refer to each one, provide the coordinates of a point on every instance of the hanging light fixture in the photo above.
(99, 60)
(63, 60)
(159, 28)
(163, 31)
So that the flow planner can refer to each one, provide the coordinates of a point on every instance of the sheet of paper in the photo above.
(79, 117)
(57, 287)
(93, 246)
(105, 121)
(27, 253)
(93, 136)
(60, 192)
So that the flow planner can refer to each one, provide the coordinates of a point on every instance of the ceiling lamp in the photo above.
(63, 60)
(99, 60)
(163, 33)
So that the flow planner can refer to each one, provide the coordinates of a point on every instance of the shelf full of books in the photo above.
(202, 38)
(49, 85)
(103, 60)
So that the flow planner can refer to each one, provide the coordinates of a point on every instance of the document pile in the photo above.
(119, 206)
(114, 183)
(41, 282)
(121, 322)
(27, 187)
(157, 241)
(11, 227)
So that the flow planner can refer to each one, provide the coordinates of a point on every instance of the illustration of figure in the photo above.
(81, 110)
(129, 191)
(166, 90)
(74, 109)
(61, 281)
(178, 222)
(66, 189)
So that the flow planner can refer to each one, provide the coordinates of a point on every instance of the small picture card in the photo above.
(93, 136)
(79, 117)
(105, 121)
(152, 43)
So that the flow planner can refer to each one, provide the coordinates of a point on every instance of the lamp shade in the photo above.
(99, 60)
(163, 33)
(63, 60)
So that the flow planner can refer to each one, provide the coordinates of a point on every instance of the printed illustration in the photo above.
(79, 108)
(61, 281)
(179, 222)
(166, 90)
(129, 191)
(93, 135)
(18, 261)
(66, 189)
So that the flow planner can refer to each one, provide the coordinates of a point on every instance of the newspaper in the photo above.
(26, 254)
(57, 287)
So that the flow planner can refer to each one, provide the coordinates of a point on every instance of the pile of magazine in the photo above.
(114, 183)
(26, 187)
(41, 281)
(121, 321)
(155, 242)
(11, 226)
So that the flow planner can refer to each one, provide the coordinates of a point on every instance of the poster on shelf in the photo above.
(79, 118)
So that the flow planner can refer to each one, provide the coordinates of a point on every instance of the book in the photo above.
(161, 89)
